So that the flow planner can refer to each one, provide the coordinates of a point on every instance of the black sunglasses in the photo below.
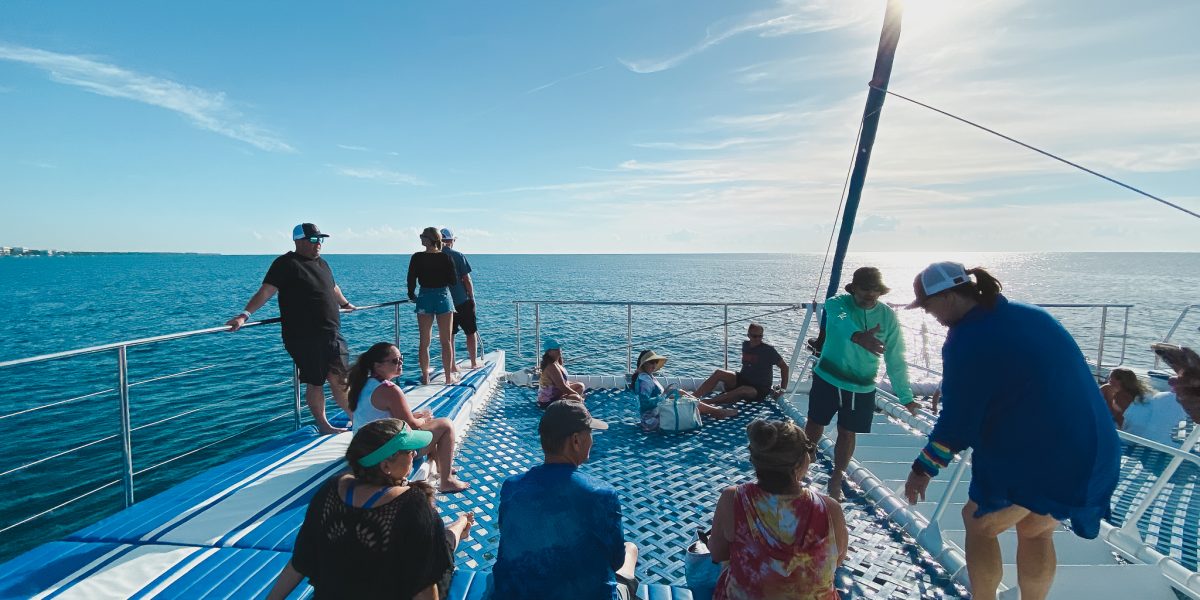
(316, 240)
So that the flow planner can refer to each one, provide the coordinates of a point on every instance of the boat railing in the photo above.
(123, 388)
(1174, 328)
(724, 323)
(1127, 538)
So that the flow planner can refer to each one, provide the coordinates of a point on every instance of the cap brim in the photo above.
(596, 424)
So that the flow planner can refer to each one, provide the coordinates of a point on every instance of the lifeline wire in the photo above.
(1042, 152)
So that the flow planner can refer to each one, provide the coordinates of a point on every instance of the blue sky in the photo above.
(616, 126)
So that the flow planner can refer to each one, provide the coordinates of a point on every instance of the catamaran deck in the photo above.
(228, 531)
(669, 483)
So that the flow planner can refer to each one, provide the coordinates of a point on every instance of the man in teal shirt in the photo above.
(857, 328)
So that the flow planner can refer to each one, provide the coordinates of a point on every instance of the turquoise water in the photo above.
(195, 392)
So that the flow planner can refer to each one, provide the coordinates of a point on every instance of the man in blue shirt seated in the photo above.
(560, 530)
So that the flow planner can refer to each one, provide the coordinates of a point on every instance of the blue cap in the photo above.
(550, 344)
(447, 234)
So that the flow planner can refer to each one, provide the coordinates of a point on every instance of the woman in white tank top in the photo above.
(373, 396)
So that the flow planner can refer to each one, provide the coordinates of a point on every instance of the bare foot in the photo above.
(475, 366)
(469, 518)
(330, 430)
(835, 489)
(727, 412)
(453, 485)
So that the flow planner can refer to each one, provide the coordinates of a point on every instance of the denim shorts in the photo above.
(434, 301)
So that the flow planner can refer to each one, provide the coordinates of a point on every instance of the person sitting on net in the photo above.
(1122, 389)
(753, 381)
(561, 534)
(373, 396)
(650, 391)
(370, 533)
(553, 384)
(781, 538)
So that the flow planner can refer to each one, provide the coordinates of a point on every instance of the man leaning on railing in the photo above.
(310, 321)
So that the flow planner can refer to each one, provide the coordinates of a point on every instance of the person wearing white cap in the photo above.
(463, 293)
(309, 319)
(1044, 444)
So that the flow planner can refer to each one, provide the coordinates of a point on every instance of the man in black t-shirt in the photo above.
(753, 382)
(309, 303)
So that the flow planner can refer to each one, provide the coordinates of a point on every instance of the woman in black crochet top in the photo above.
(372, 534)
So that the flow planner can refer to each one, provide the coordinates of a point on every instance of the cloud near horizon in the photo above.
(204, 109)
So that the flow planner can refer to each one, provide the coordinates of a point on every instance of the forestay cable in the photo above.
(1042, 152)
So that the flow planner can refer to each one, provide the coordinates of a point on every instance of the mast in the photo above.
(870, 123)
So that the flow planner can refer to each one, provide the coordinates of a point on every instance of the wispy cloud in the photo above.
(787, 17)
(378, 174)
(353, 148)
(204, 109)
(38, 164)
(544, 86)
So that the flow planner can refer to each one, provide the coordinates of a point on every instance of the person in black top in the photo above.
(434, 269)
(309, 318)
(753, 382)
(370, 533)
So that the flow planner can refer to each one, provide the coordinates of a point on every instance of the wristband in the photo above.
(245, 314)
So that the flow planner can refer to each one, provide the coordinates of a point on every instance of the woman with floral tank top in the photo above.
(782, 540)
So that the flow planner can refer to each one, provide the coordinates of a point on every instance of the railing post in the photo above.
(396, 327)
(726, 337)
(537, 333)
(1100, 351)
(628, 339)
(296, 395)
(1125, 336)
(126, 428)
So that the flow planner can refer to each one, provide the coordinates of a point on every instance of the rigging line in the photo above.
(838, 214)
(1043, 152)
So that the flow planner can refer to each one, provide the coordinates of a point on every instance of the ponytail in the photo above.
(986, 287)
(356, 380)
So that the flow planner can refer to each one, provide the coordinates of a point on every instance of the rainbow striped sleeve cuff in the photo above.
(934, 458)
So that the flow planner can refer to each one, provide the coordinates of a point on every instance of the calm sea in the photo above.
(194, 392)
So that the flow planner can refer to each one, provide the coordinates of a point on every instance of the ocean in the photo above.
(215, 395)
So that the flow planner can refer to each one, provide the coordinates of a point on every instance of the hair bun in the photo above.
(762, 434)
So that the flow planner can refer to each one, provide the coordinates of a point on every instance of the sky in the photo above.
(622, 126)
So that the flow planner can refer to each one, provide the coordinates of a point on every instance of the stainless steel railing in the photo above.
(1175, 327)
(124, 385)
(725, 322)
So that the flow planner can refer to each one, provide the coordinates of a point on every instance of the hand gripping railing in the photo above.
(123, 388)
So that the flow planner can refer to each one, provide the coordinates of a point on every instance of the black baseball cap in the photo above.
(307, 230)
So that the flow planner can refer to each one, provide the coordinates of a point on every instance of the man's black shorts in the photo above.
(464, 317)
(318, 357)
(854, 411)
(762, 392)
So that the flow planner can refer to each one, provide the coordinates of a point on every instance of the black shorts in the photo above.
(318, 357)
(855, 411)
(762, 392)
(464, 317)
